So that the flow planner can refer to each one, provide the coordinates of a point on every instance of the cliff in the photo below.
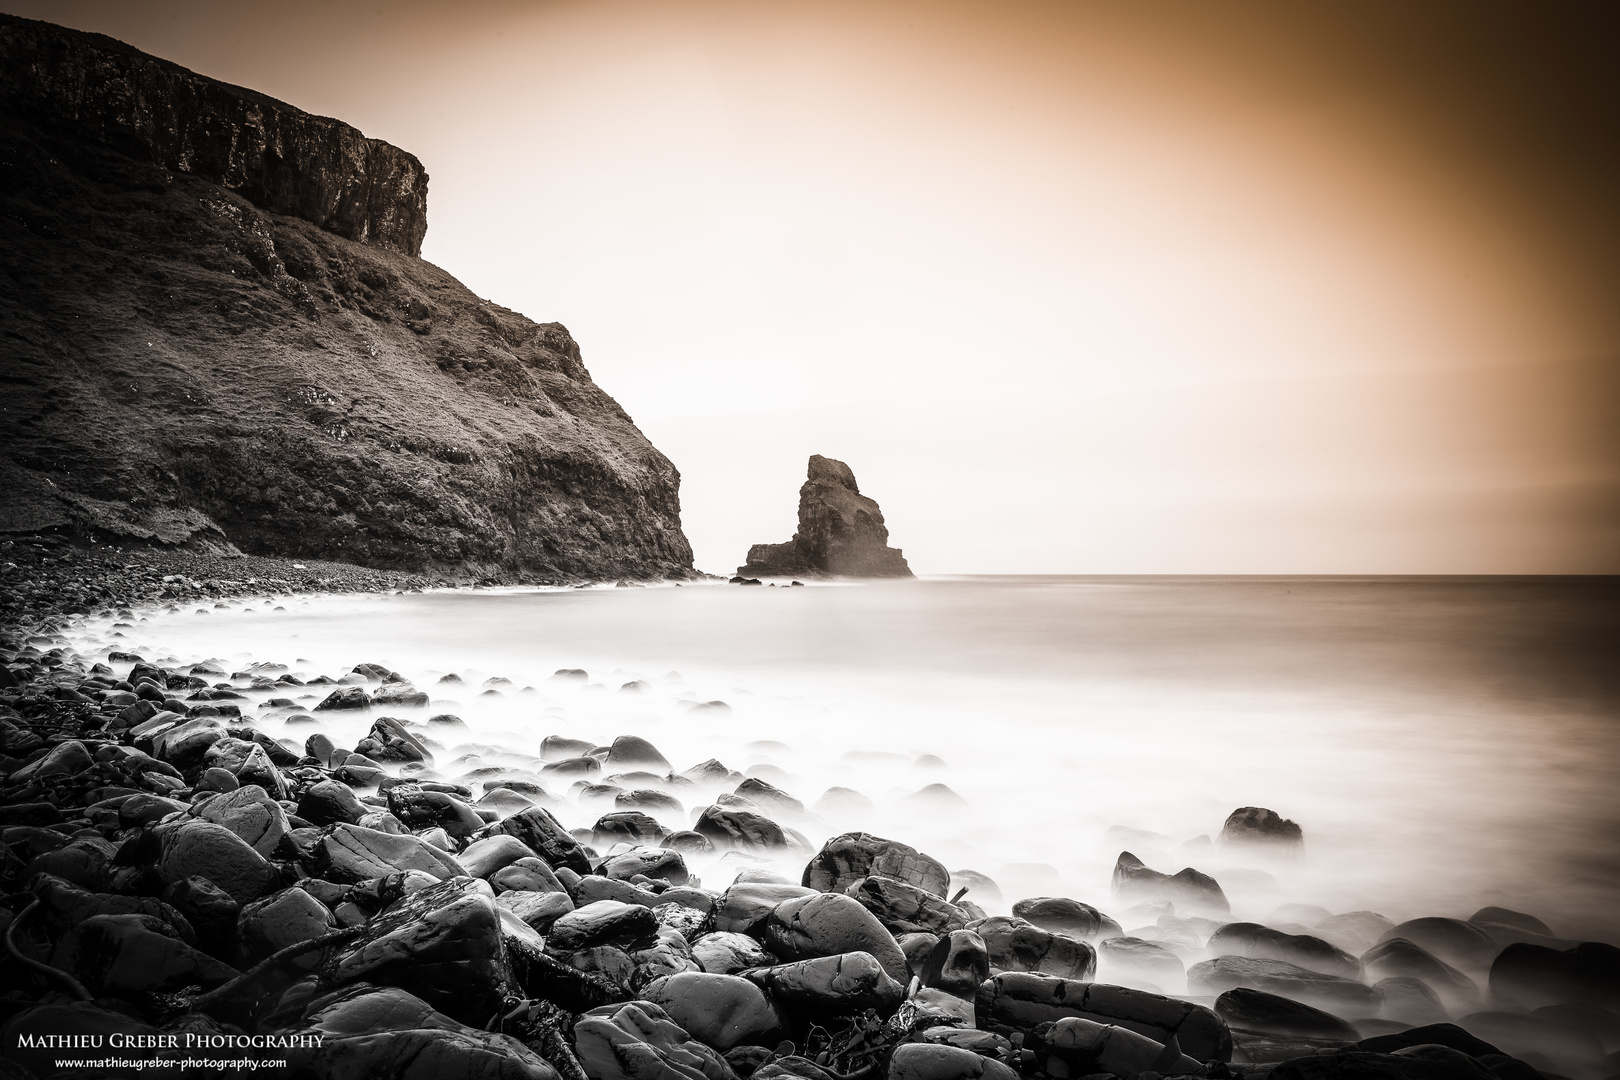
(215, 333)
(841, 532)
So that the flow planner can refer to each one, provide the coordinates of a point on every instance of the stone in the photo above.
(1399, 957)
(1022, 1001)
(626, 826)
(540, 911)
(1532, 975)
(329, 802)
(745, 906)
(1137, 956)
(840, 984)
(906, 909)
(603, 922)
(1341, 996)
(638, 1041)
(211, 911)
(1500, 916)
(559, 747)
(740, 829)
(445, 944)
(633, 752)
(399, 694)
(840, 532)
(64, 759)
(185, 744)
(368, 1031)
(930, 1061)
(1362, 1065)
(250, 813)
(722, 1011)
(1461, 944)
(482, 858)
(957, 964)
(345, 698)
(1354, 931)
(420, 808)
(1410, 1001)
(1264, 943)
(537, 828)
(350, 854)
(282, 919)
(829, 924)
(1254, 826)
(657, 863)
(119, 955)
(1271, 1014)
(1061, 915)
(1088, 1047)
(388, 740)
(723, 953)
(1016, 945)
(203, 849)
(530, 874)
(1134, 882)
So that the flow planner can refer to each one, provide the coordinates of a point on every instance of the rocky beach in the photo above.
(332, 868)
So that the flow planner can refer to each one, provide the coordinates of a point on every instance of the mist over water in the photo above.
(1445, 743)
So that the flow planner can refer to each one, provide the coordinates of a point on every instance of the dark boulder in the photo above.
(548, 839)
(740, 829)
(906, 909)
(350, 853)
(329, 802)
(930, 1061)
(1061, 915)
(841, 984)
(345, 698)
(604, 922)
(1016, 945)
(722, 1011)
(1134, 882)
(1270, 1014)
(203, 849)
(626, 826)
(1338, 995)
(1087, 1047)
(638, 1041)
(1461, 944)
(633, 752)
(829, 924)
(124, 955)
(1021, 1001)
(1264, 943)
(1254, 826)
(957, 964)
(725, 953)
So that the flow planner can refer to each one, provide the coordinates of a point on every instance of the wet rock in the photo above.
(1061, 915)
(1270, 1014)
(1024, 1000)
(528, 874)
(723, 953)
(930, 1061)
(627, 827)
(389, 741)
(185, 744)
(578, 768)
(916, 947)
(1532, 975)
(444, 944)
(203, 849)
(120, 955)
(546, 837)
(420, 808)
(1016, 945)
(250, 813)
(957, 964)
(638, 1041)
(829, 924)
(329, 802)
(1355, 931)
(1264, 943)
(1254, 826)
(650, 801)
(482, 858)
(1399, 957)
(64, 759)
(740, 829)
(1134, 882)
(385, 1032)
(1460, 944)
(745, 906)
(399, 694)
(1088, 1047)
(538, 910)
(648, 862)
(632, 752)
(559, 748)
(350, 854)
(906, 909)
(721, 1011)
(1338, 995)
(1147, 959)
(604, 922)
(688, 842)
(1487, 917)
(211, 911)
(86, 862)
(840, 984)
(282, 919)
(345, 698)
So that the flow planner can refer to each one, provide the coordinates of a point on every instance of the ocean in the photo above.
(1445, 743)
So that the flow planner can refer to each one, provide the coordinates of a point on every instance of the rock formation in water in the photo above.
(218, 333)
(840, 532)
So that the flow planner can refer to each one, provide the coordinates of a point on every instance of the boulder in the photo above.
(1461, 944)
(657, 863)
(1254, 826)
(203, 849)
(546, 837)
(830, 985)
(1416, 1063)
(389, 741)
(250, 813)
(1060, 915)
(957, 964)
(329, 802)
(906, 909)
(1531, 975)
(723, 953)
(1395, 957)
(1263, 943)
(638, 1041)
(349, 853)
(931, 1061)
(1270, 1014)
(444, 944)
(1354, 931)
(1021, 1001)
(282, 919)
(482, 858)
(746, 905)
(538, 910)
(185, 744)
(1341, 996)
(829, 924)
(630, 752)
(1410, 1001)
(1087, 1047)
(420, 808)
(1016, 945)
(604, 922)
(1145, 959)
(721, 1011)
(124, 955)
(1134, 882)
(740, 829)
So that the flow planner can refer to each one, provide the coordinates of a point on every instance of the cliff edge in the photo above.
(841, 532)
(214, 332)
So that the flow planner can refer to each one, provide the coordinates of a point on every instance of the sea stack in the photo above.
(841, 532)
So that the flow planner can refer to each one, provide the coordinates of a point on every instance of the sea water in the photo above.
(1445, 743)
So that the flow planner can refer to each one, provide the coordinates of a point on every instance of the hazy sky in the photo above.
(1090, 288)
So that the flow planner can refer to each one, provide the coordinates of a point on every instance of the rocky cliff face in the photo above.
(197, 356)
(279, 158)
(841, 532)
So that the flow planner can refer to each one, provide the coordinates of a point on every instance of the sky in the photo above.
(1248, 287)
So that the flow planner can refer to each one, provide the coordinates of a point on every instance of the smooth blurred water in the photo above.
(1446, 743)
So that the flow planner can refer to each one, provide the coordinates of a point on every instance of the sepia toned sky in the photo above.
(1248, 287)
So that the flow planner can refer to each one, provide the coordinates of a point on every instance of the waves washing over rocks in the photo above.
(928, 830)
